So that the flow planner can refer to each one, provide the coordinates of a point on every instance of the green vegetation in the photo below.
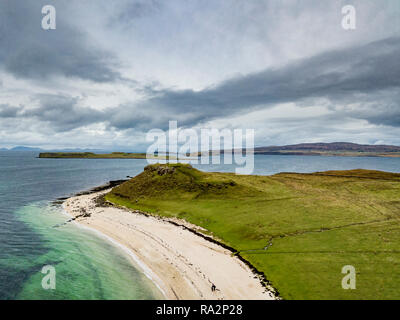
(91, 155)
(311, 224)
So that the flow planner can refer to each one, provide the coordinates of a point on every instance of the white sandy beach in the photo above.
(182, 264)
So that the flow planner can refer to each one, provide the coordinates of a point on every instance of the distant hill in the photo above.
(334, 146)
(23, 148)
(326, 149)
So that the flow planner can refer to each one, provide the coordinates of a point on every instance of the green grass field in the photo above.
(314, 223)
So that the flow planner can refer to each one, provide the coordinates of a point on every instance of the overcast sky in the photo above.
(112, 70)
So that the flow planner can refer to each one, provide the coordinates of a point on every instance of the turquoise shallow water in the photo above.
(87, 265)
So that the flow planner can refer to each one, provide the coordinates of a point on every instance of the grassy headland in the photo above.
(299, 229)
(91, 155)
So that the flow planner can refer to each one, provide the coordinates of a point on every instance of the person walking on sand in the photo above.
(213, 287)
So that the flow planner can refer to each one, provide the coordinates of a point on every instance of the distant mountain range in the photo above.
(21, 148)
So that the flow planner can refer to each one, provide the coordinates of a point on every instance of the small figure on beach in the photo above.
(213, 287)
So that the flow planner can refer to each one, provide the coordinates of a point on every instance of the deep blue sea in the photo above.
(87, 265)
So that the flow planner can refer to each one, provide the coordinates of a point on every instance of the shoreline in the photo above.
(136, 261)
(180, 260)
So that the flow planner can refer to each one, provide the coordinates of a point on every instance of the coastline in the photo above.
(174, 254)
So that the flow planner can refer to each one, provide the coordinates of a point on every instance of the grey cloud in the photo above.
(383, 110)
(339, 76)
(191, 44)
(63, 113)
(367, 75)
(391, 119)
(28, 51)
(136, 9)
(7, 111)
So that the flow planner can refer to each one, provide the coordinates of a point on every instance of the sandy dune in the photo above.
(182, 264)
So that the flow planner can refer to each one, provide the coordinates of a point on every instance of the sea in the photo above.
(87, 265)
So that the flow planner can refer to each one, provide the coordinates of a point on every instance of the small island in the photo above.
(91, 155)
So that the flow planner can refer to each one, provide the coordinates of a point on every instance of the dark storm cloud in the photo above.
(338, 76)
(28, 51)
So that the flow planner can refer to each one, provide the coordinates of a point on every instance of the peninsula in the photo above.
(291, 233)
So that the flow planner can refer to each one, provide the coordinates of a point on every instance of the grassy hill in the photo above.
(299, 229)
